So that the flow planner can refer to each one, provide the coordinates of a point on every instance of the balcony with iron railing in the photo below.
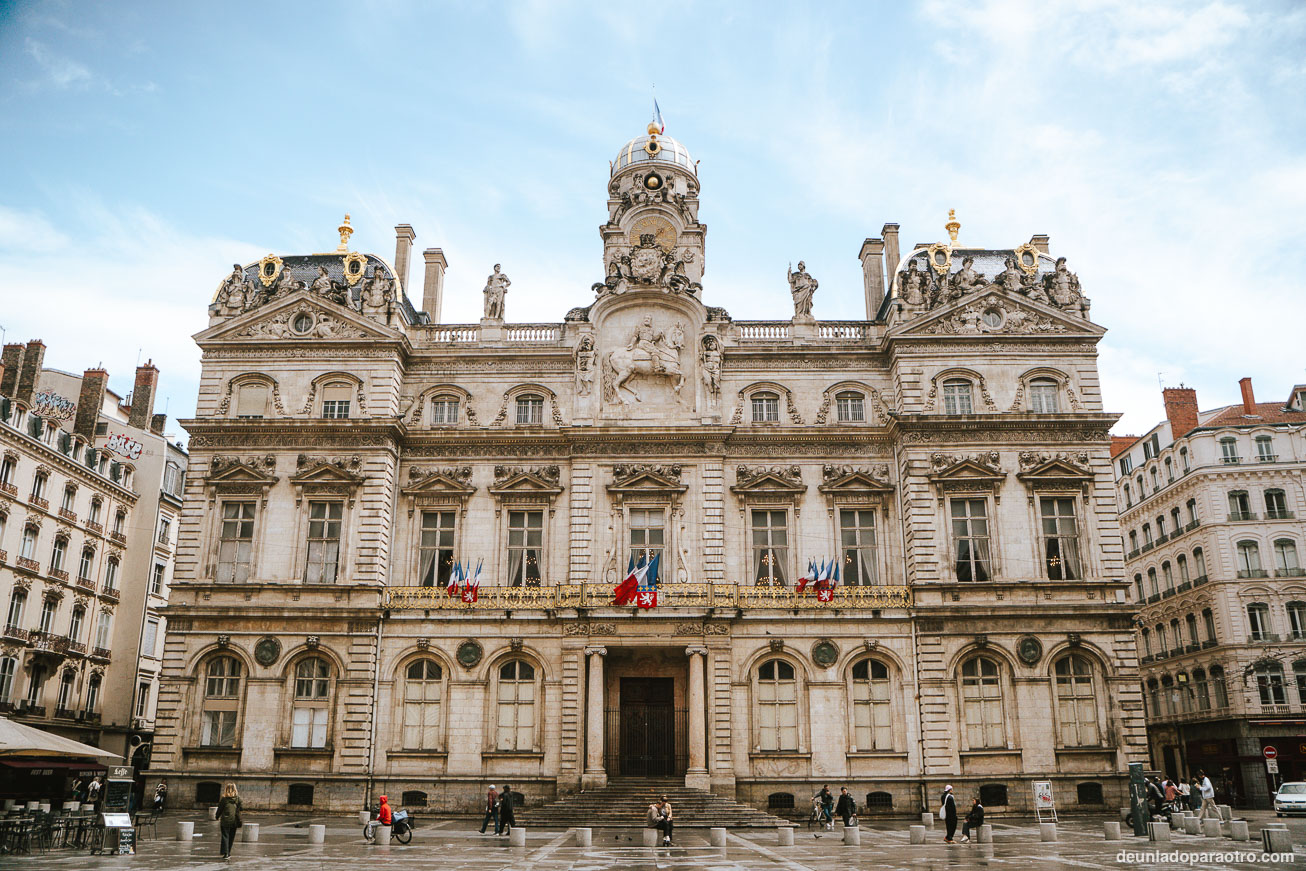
(43, 504)
(85, 583)
(4, 557)
(1263, 637)
(97, 528)
(1200, 579)
(672, 595)
(1290, 573)
(45, 641)
(1253, 573)
(110, 593)
(8, 489)
(101, 653)
(68, 515)
(1279, 514)
(30, 564)
(58, 574)
(1209, 643)
(118, 537)
(1133, 554)
(15, 633)
(1240, 516)
(1266, 458)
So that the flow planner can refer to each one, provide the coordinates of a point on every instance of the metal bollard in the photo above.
(927, 820)
(249, 832)
(1211, 828)
(383, 835)
(516, 837)
(584, 837)
(1111, 830)
(1238, 830)
(1158, 831)
(1047, 831)
(185, 830)
(317, 834)
(785, 836)
(917, 834)
(852, 836)
(717, 836)
(985, 833)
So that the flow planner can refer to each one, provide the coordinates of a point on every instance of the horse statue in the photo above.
(649, 354)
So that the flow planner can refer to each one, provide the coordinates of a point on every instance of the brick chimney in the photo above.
(33, 357)
(142, 407)
(872, 257)
(433, 286)
(157, 423)
(13, 363)
(1249, 398)
(404, 236)
(1180, 410)
(94, 381)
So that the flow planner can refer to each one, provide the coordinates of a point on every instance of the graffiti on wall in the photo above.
(124, 445)
(51, 405)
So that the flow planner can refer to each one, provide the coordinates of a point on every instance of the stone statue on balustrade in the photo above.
(802, 287)
(496, 287)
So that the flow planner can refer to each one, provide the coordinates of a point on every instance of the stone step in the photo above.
(624, 802)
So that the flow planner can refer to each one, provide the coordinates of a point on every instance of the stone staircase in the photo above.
(624, 802)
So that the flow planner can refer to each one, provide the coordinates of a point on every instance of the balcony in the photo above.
(1192, 648)
(1238, 516)
(91, 717)
(118, 537)
(9, 490)
(1133, 553)
(86, 583)
(1209, 643)
(1199, 580)
(76, 647)
(1297, 635)
(30, 564)
(42, 641)
(1145, 548)
(16, 633)
(671, 595)
(97, 528)
(110, 593)
(1266, 458)
(1162, 538)
(1184, 587)
(1146, 659)
(1278, 710)
(4, 556)
(68, 515)
(1231, 461)
(27, 709)
(1264, 637)
(1253, 573)
(1165, 594)
(1176, 651)
(1279, 514)
(58, 574)
(65, 714)
(101, 653)
(1278, 573)
(1192, 524)
(1154, 598)
(43, 504)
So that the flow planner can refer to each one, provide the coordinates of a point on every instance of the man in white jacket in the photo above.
(1208, 799)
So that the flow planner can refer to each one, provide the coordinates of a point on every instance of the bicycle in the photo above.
(401, 828)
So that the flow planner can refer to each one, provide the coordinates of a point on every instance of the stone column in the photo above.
(595, 776)
(696, 776)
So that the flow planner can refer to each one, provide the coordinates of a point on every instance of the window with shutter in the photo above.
(335, 400)
(252, 403)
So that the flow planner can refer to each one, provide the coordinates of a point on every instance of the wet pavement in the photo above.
(455, 845)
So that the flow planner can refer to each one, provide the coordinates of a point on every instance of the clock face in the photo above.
(663, 232)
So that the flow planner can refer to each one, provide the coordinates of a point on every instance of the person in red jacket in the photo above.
(383, 815)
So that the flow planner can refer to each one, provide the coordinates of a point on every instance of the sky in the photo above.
(1160, 145)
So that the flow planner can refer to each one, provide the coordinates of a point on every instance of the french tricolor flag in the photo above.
(657, 117)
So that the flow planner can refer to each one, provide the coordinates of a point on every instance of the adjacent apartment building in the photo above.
(89, 507)
(1212, 509)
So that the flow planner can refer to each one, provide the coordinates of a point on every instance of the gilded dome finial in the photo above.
(345, 232)
(953, 227)
(653, 128)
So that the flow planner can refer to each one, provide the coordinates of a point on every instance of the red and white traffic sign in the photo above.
(1270, 752)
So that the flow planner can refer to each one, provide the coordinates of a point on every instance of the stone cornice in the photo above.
(43, 452)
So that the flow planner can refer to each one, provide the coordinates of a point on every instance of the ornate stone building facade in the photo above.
(949, 453)
(1211, 506)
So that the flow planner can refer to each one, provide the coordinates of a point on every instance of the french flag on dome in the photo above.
(657, 117)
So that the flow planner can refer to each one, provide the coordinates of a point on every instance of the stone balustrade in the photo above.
(669, 596)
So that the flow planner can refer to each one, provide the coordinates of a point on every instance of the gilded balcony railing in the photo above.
(669, 596)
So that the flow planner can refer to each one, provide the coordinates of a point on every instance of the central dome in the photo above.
(652, 148)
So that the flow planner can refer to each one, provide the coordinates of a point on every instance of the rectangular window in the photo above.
(770, 547)
(530, 411)
(218, 729)
(525, 542)
(766, 408)
(252, 401)
(851, 408)
(323, 542)
(151, 640)
(1265, 449)
(28, 547)
(156, 579)
(35, 683)
(444, 411)
(1276, 505)
(335, 401)
(1126, 465)
(647, 534)
(1258, 621)
(308, 727)
(857, 531)
(102, 630)
(7, 466)
(956, 398)
(435, 549)
(970, 539)
(1060, 539)
(48, 609)
(1228, 451)
(236, 542)
(142, 699)
(165, 531)
(1043, 398)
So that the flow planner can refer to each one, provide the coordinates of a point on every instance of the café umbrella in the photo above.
(19, 740)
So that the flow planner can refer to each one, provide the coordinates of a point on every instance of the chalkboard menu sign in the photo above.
(126, 842)
(117, 794)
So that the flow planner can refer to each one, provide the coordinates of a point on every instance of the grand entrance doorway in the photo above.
(646, 724)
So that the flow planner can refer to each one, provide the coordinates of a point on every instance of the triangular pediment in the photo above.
(441, 482)
(767, 481)
(856, 481)
(226, 471)
(326, 473)
(526, 482)
(1054, 468)
(649, 482)
(977, 467)
(281, 319)
(992, 311)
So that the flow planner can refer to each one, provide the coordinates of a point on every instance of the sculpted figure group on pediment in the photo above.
(239, 293)
(649, 266)
(920, 287)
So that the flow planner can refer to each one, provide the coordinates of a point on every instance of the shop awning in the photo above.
(19, 740)
(41, 767)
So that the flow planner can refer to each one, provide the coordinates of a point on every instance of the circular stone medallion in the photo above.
(825, 653)
(469, 654)
(266, 651)
(1029, 650)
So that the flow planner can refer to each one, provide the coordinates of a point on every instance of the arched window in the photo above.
(1133, 541)
(1167, 576)
(871, 715)
(1297, 623)
(1240, 506)
(516, 706)
(1269, 683)
(981, 694)
(766, 407)
(8, 668)
(1182, 562)
(1208, 623)
(1162, 645)
(444, 410)
(336, 399)
(1258, 621)
(58, 553)
(1169, 470)
(1154, 697)
(1151, 582)
(1147, 641)
(1177, 635)
(850, 407)
(67, 689)
(1276, 505)
(1299, 673)
(1147, 534)
(423, 692)
(1201, 690)
(221, 703)
(1167, 696)
(957, 397)
(1156, 479)
(1229, 451)
(311, 709)
(252, 401)
(1138, 586)
(1191, 622)
(97, 505)
(1285, 559)
(530, 410)
(1177, 521)
(1160, 527)
(1249, 560)
(1043, 396)
(1129, 502)
(1077, 718)
(1183, 459)
(777, 706)
(69, 499)
(39, 483)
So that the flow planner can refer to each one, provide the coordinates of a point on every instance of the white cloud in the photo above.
(61, 72)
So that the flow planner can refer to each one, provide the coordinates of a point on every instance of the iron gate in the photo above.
(642, 732)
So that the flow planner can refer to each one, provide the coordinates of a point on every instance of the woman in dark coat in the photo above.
(507, 817)
(228, 818)
(974, 819)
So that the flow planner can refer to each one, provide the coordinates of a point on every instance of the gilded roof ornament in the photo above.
(953, 227)
(345, 231)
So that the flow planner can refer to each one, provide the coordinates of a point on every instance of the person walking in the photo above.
(826, 801)
(846, 807)
(1170, 790)
(1208, 799)
(160, 796)
(491, 809)
(974, 819)
(659, 817)
(948, 812)
(507, 817)
(1185, 794)
(1195, 795)
(93, 793)
(228, 818)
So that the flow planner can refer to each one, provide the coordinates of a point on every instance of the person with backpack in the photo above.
(228, 818)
